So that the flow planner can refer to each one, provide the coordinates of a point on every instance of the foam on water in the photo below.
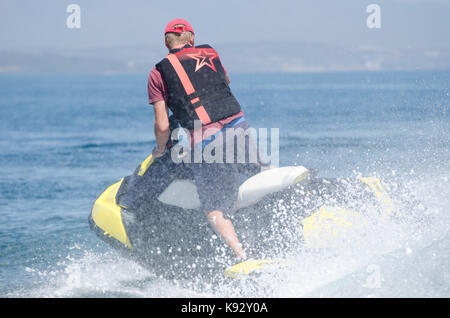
(85, 273)
(401, 258)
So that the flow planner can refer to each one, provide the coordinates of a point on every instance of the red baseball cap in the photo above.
(171, 26)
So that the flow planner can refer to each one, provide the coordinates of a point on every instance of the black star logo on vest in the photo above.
(204, 58)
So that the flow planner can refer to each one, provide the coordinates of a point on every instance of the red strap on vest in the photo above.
(189, 89)
(181, 74)
(203, 115)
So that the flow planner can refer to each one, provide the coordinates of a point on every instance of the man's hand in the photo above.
(156, 153)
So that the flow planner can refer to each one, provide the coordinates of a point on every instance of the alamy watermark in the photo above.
(375, 278)
(73, 21)
(374, 19)
(233, 145)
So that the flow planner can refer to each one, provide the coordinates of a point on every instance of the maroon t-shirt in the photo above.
(156, 87)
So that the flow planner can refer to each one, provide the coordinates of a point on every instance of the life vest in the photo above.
(197, 86)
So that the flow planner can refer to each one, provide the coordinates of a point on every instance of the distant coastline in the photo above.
(250, 58)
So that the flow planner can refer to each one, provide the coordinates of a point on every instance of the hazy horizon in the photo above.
(131, 33)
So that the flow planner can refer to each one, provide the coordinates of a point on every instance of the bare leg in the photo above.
(225, 229)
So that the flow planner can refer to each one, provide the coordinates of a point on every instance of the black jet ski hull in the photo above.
(168, 238)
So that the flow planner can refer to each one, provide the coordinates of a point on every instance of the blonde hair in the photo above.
(174, 39)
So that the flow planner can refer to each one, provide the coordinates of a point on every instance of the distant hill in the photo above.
(238, 58)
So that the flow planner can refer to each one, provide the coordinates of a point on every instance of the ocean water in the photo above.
(65, 138)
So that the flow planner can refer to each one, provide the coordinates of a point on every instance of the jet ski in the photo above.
(154, 216)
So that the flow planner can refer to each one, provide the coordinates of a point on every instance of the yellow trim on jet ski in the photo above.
(249, 266)
(375, 185)
(107, 214)
(246, 267)
(301, 177)
(145, 165)
(323, 227)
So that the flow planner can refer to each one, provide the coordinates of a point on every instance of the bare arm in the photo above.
(225, 229)
(162, 132)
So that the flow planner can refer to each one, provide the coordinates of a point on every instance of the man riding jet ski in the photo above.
(193, 84)
(155, 215)
(157, 210)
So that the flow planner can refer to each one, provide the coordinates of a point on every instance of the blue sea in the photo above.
(65, 138)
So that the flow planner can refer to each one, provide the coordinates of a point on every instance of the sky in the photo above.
(34, 25)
